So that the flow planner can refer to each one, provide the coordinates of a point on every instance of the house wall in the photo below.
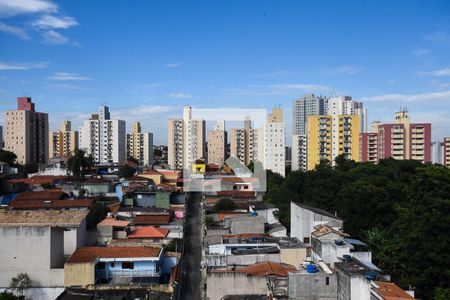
(240, 260)
(293, 256)
(97, 188)
(312, 286)
(29, 250)
(246, 225)
(145, 200)
(79, 275)
(220, 284)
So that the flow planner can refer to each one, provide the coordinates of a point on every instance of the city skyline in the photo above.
(395, 63)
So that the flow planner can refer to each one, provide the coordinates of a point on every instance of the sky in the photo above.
(147, 59)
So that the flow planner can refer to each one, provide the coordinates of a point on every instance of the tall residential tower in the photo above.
(140, 145)
(63, 142)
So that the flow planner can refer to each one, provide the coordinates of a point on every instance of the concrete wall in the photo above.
(240, 260)
(293, 256)
(97, 188)
(312, 286)
(29, 250)
(79, 275)
(220, 284)
(240, 225)
(360, 288)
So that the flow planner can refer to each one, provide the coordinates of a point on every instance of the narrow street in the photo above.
(190, 271)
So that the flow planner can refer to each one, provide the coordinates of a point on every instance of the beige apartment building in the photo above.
(63, 142)
(27, 133)
(140, 145)
(217, 142)
(247, 144)
(447, 152)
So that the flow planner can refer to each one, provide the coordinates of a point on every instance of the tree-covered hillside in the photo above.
(401, 209)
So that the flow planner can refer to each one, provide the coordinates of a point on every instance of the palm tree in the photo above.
(79, 162)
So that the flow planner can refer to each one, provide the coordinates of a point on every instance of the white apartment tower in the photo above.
(274, 142)
(186, 140)
(299, 153)
(140, 145)
(103, 138)
(344, 105)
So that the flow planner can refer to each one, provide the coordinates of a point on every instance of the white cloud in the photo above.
(48, 21)
(180, 95)
(172, 65)
(63, 76)
(421, 52)
(19, 32)
(350, 70)
(425, 98)
(441, 36)
(52, 37)
(22, 66)
(9, 8)
(435, 73)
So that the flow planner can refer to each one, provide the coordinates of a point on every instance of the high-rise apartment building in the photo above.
(330, 136)
(1, 137)
(217, 143)
(437, 152)
(404, 140)
(247, 144)
(344, 105)
(368, 142)
(447, 152)
(299, 153)
(63, 142)
(140, 145)
(274, 142)
(186, 140)
(302, 108)
(27, 133)
(104, 138)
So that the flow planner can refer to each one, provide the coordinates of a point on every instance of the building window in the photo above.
(128, 265)
(101, 266)
(306, 240)
(327, 280)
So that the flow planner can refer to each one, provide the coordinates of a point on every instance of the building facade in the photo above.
(103, 138)
(140, 145)
(447, 152)
(299, 153)
(186, 140)
(247, 144)
(1, 137)
(274, 142)
(27, 133)
(63, 142)
(217, 143)
(330, 136)
(302, 108)
(344, 105)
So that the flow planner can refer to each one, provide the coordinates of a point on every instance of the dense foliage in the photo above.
(224, 205)
(401, 209)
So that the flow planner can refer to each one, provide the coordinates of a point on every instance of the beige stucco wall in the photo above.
(79, 274)
(293, 256)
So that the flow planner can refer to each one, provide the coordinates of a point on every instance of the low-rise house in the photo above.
(41, 195)
(312, 284)
(90, 266)
(382, 290)
(304, 218)
(155, 234)
(255, 279)
(35, 242)
(244, 224)
(76, 204)
(97, 186)
(111, 228)
(36, 182)
(157, 218)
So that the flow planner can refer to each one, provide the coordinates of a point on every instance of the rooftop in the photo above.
(148, 232)
(64, 218)
(317, 210)
(90, 254)
(51, 204)
(41, 195)
(390, 291)
(40, 179)
(321, 230)
(354, 267)
(160, 219)
(110, 221)
(268, 268)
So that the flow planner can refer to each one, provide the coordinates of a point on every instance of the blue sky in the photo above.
(146, 59)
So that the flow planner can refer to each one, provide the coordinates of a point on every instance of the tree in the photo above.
(126, 172)
(5, 295)
(20, 283)
(79, 163)
(225, 205)
(8, 157)
(97, 212)
(173, 245)
(209, 221)
(157, 153)
(132, 159)
(29, 168)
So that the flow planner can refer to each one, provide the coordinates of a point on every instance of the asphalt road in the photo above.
(190, 272)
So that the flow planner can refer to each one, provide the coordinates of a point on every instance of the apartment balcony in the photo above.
(126, 273)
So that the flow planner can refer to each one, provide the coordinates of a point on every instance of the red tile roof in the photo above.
(95, 180)
(50, 204)
(148, 232)
(41, 195)
(161, 219)
(40, 179)
(110, 221)
(138, 178)
(268, 268)
(90, 254)
(390, 291)
(245, 235)
(151, 172)
(237, 193)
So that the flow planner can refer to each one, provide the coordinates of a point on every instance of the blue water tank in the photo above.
(311, 268)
